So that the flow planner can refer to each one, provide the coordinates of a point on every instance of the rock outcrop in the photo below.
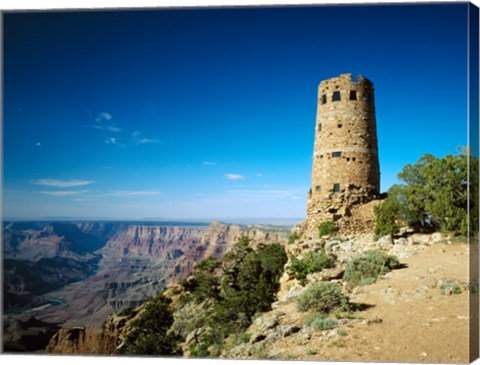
(115, 266)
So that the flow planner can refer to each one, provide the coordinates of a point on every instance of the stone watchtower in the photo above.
(345, 168)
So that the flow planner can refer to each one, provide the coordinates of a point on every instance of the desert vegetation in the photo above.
(434, 195)
(368, 267)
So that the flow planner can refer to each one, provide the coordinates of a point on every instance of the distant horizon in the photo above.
(210, 112)
(280, 222)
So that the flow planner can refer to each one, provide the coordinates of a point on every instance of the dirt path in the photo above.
(408, 320)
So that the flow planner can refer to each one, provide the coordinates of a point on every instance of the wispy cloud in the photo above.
(234, 177)
(62, 183)
(139, 139)
(105, 123)
(129, 193)
(111, 140)
(60, 192)
(109, 128)
(259, 175)
(209, 163)
(103, 116)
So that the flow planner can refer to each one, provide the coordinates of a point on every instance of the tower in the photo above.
(345, 167)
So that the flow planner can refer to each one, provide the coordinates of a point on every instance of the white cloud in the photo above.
(111, 140)
(259, 175)
(105, 123)
(138, 139)
(234, 177)
(209, 163)
(38, 144)
(129, 193)
(60, 192)
(109, 128)
(103, 116)
(62, 183)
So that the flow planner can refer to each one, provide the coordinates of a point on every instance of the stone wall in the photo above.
(345, 148)
(345, 169)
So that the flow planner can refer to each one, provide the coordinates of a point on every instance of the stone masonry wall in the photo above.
(345, 170)
(345, 149)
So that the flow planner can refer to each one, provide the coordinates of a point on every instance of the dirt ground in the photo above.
(408, 319)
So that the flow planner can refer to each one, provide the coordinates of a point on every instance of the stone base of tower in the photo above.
(351, 210)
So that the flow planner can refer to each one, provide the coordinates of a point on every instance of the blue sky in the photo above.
(210, 113)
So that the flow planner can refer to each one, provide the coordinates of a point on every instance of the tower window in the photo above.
(353, 94)
(324, 99)
(319, 127)
(367, 97)
(339, 125)
(336, 188)
(318, 188)
(336, 154)
(336, 96)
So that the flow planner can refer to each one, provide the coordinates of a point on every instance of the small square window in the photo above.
(324, 99)
(339, 125)
(318, 188)
(336, 96)
(336, 154)
(336, 188)
(367, 98)
(353, 94)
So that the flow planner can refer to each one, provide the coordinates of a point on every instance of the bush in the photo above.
(291, 239)
(450, 287)
(311, 262)
(386, 217)
(244, 284)
(327, 228)
(366, 269)
(320, 322)
(149, 334)
(434, 193)
(323, 297)
(127, 312)
(311, 352)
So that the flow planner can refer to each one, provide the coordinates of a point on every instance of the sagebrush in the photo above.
(368, 267)
(310, 262)
(322, 296)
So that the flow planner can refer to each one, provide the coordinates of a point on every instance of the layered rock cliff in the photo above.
(132, 262)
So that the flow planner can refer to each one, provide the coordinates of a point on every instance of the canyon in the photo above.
(67, 274)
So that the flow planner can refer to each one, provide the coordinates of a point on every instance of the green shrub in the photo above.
(368, 267)
(323, 297)
(386, 218)
(320, 322)
(324, 324)
(311, 352)
(433, 193)
(342, 333)
(327, 228)
(291, 239)
(149, 334)
(310, 262)
(127, 312)
(450, 287)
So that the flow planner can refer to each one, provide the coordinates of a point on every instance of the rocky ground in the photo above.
(405, 316)
(406, 319)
